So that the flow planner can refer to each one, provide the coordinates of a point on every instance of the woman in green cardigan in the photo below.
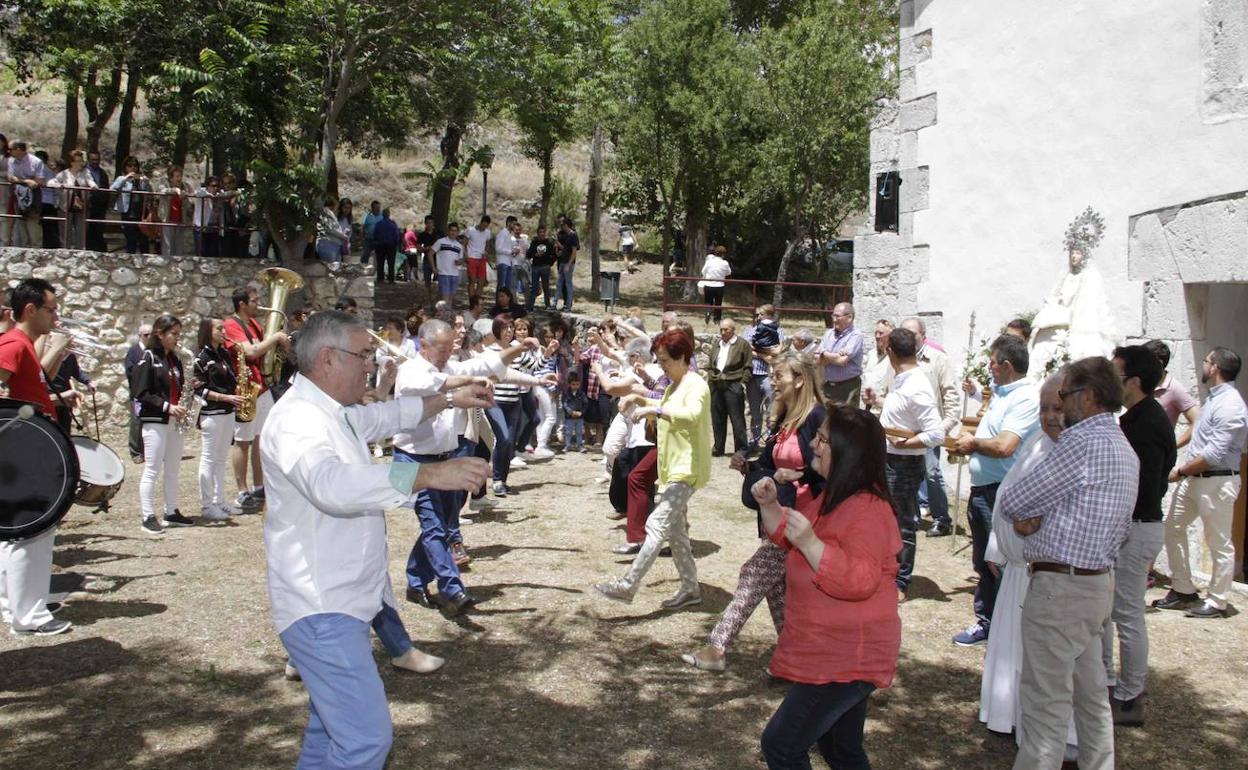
(684, 446)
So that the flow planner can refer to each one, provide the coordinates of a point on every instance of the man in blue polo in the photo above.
(840, 352)
(1013, 415)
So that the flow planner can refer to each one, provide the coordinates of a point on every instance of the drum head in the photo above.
(97, 463)
(38, 473)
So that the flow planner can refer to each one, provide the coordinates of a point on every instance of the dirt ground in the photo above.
(173, 663)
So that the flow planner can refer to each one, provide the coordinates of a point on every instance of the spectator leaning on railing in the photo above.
(175, 209)
(130, 204)
(25, 173)
(73, 201)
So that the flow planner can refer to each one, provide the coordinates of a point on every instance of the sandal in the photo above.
(703, 664)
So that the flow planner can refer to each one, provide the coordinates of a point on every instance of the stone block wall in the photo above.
(114, 293)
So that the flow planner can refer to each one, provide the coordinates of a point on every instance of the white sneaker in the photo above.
(542, 453)
(516, 462)
(420, 662)
(229, 509)
(212, 513)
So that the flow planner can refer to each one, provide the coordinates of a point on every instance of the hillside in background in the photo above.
(394, 178)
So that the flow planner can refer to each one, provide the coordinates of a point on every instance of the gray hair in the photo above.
(637, 347)
(920, 327)
(472, 338)
(326, 329)
(803, 334)
(433, 328)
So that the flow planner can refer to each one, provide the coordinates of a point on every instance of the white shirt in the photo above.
(477, 240)
(714, 270)
(504, 242)
(418, 377)
(911, 405)
(325, 530)
(447, 253)
(407, 347)
(724, 349)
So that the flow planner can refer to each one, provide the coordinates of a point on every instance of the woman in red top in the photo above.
(841, 629)
(787, 457)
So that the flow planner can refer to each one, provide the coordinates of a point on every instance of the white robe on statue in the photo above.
(999, 706)
(1075, 316)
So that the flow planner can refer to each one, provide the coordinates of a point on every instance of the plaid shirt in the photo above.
(1083, 491)
(588, 357)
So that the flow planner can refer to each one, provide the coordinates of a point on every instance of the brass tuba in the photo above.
(281, 283)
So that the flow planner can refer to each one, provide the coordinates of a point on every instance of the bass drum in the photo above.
(38, 472)
(101, 472)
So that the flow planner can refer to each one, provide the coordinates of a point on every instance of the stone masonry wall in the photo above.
(114, 293)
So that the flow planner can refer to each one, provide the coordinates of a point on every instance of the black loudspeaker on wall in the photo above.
(887, 197)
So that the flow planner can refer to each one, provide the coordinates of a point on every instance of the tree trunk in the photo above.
(777, 296)
(543, 213)
(99, 116)
(593, 212)
(331, 178)
(444, 186)
(220, 159)
(125, 119)
(696, 226)
(69, 142)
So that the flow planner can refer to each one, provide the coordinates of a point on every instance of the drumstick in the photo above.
(24, 412)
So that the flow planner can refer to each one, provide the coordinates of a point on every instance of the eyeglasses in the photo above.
(365, 355)
(1062, 394)
(823, 438)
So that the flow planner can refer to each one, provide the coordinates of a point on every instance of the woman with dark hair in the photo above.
(683, 415)
(215, 384)
(73, 200)
(175, 212)
(158, 383)
(131, 204)
(529, 363)
(505, 302)
(787, 458)
(841, 630)
(345, 221)
(6, 195)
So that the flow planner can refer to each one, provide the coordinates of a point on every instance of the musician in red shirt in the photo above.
(243, 330)
(26, 565)
(841, 630)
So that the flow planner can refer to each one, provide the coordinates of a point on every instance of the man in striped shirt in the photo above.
(1074, 510)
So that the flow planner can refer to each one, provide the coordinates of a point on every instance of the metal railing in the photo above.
(835, 292)
(149, 234)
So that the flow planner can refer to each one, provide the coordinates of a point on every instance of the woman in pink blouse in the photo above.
(841, 629)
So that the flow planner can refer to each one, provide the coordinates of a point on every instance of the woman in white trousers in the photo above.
(159, 382)
(215, 383)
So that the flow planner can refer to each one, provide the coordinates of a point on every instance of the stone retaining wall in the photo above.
(114, 293)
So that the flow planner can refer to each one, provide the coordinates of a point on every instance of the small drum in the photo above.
(101, 472)
(38, 472)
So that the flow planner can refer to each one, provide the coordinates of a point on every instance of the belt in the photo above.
(427, 458)
(1211, 474)
(1065, 569)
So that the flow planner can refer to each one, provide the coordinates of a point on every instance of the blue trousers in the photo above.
(932, 493)
(500, 417)
(904, 474)
(503, 274)
(391, 632)
(430, 560)
(348, 719)
(758, 392)
(564, 288)
(979, 513)
(831, 715)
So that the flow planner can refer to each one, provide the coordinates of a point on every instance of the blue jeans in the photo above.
(391, 632)
(932, 492)
(979, 514)
(564, 288)
(520, 281)
(431, 560)
(831, 715)
(758, 393)
(525, 422)
(504, 276)
(573, 433)
(447, 284)
(539, 276)
(904, 474)
(348, 718)
(499, 417)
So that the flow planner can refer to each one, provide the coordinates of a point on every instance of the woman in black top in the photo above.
(158, 384)
(215, 383)
(505, 302)
(787, 455)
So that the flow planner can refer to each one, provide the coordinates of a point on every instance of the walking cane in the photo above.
(957, 494)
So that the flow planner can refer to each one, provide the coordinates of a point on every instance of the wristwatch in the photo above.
(450, 400)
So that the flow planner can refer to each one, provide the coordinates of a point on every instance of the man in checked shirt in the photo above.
(1074, 510)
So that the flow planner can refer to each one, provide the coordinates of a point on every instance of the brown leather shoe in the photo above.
(462, 559)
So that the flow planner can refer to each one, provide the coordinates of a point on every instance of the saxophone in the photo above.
(188, 399)
(245, 389)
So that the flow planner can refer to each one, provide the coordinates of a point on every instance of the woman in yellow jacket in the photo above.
(684, 431)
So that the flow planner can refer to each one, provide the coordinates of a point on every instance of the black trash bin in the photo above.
(609, 288)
